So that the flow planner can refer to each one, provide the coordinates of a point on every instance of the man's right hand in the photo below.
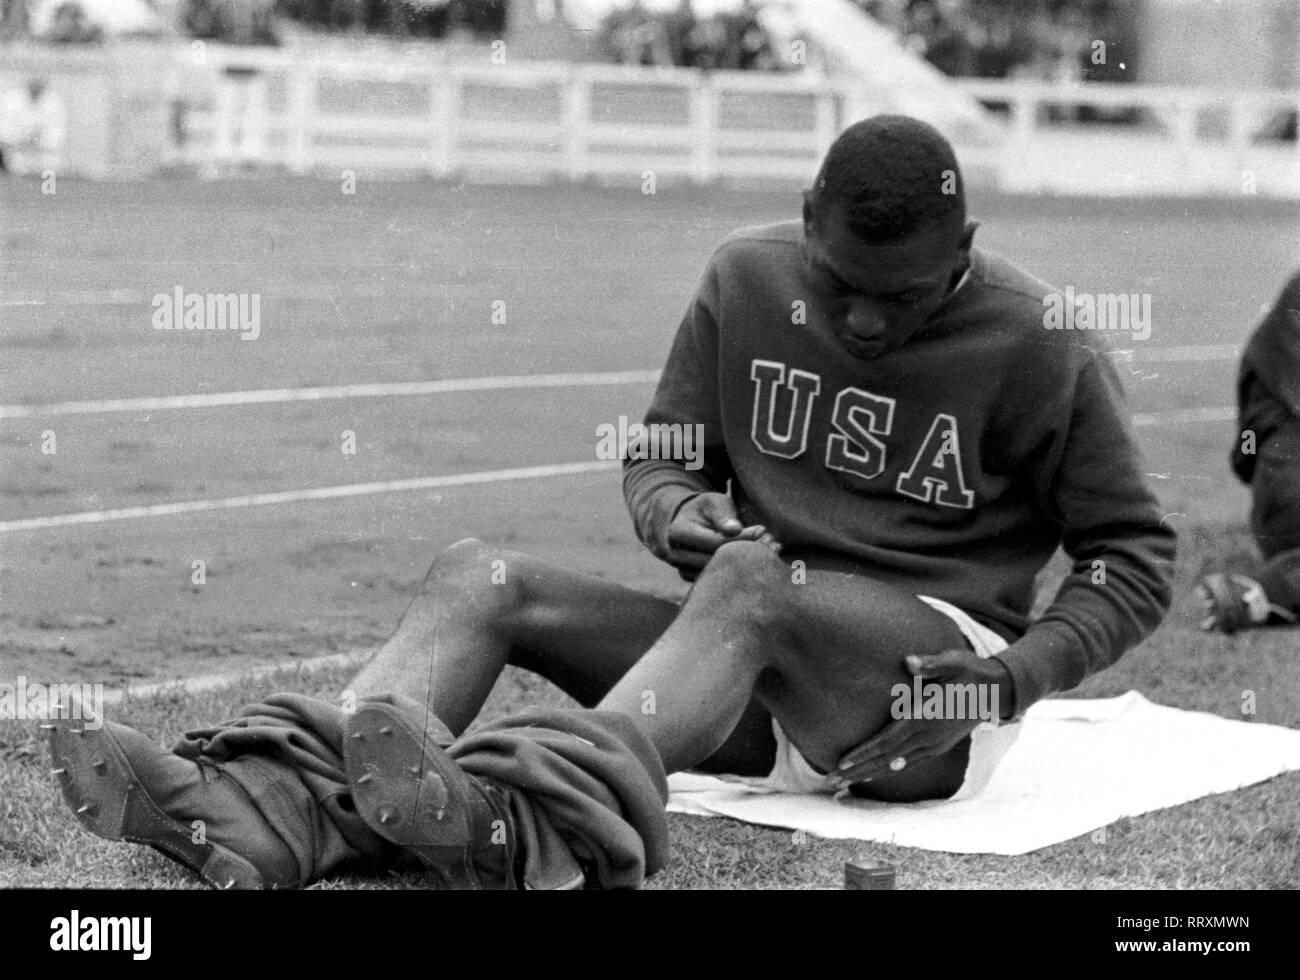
(701, 526)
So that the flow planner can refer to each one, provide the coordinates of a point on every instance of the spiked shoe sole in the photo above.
(410, 792)
(109, 800)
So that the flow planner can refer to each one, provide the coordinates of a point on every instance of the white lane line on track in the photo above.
(395, 389)
(1184, 416)
(316, 493)
(1141, 420)
(387, 389)
(212, 682)
(138, 297)
(1189, 352)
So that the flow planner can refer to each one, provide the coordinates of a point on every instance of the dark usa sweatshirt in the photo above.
(951, 466)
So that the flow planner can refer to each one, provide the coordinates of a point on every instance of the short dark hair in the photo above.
(893, 175)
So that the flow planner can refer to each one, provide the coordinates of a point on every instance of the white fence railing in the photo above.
(536, 122)
(527, 122)
(137, 108)
(1141, 139)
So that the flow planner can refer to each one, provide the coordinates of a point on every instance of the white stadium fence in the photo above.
(536, 122)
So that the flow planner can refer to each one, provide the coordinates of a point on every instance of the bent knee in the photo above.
(747, 562)
(752, 580)
(473, 571)
(462, 559)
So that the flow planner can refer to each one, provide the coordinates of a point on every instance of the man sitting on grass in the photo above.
(1267, 458)
(893, 446)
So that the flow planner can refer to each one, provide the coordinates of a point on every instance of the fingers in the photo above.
(906, 740)
(880, 746)
(685, 536)
(709, 521)
(704, 524)
(694, 559)
(757, 532)
(718, 512)
(687, 558)
(910, 752)
(702, 543)
(941, 664)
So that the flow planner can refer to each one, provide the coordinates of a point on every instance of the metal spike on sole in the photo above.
(364, 778)
(386, 730)
(386, 815)
(58, 771)
(86, 808)
(48, 727)
(357, 736)
(99, 765)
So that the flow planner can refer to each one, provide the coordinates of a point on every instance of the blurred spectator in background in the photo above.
(72, 26)
(637, 37)
(15, 19)
(33, 124)
(737, 39)
(677, 31)
(706, 40)
(418, 18)
(1035, 39)
(753, 48)
(232, 21)
(941, 35)
(437, 19)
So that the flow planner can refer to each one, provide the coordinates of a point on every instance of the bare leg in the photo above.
(481, 608)
(821, 657)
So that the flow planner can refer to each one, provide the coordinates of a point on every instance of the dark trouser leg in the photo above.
(587, 788)
(287, 754)
(1280, 578)
(1275, 516)
(587, 793)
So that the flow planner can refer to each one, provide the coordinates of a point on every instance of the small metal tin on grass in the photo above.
(862, 875)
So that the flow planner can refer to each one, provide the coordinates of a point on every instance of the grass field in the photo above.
(397, 283)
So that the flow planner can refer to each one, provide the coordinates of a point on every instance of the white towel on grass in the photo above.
(1077, 766)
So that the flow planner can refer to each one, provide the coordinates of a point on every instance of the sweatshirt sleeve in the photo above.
(687, 395)
(1090, 480)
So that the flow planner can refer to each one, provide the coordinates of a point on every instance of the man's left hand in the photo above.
(905, 742)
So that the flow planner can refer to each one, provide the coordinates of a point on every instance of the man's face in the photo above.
(879, 295)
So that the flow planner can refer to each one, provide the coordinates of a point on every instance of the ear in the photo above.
(808, 211)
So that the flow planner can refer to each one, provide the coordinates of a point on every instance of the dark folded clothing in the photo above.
(1268, 382)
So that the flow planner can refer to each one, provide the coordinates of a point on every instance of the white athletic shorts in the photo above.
(990, 741)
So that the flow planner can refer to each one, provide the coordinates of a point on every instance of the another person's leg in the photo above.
(1275, 521)
(1271, 596)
